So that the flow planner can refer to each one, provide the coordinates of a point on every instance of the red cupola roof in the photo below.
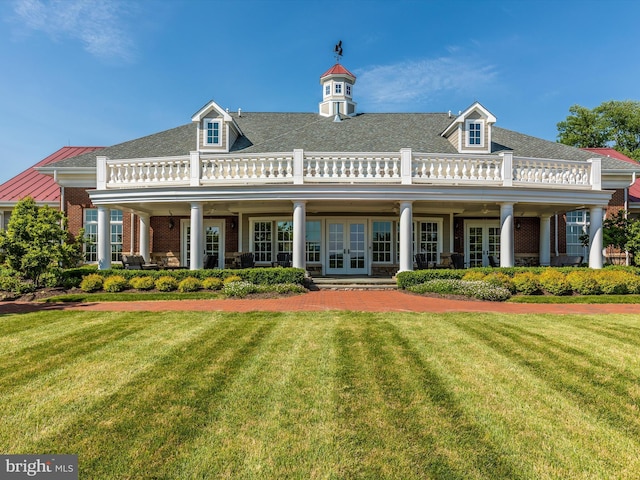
(337, 69)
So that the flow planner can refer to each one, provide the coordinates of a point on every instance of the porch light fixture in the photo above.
(171, 223)
(484, 210)
(518, 225)
(233, 224)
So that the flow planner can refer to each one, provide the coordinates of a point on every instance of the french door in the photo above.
(211, 242)
(346, 248)
(482, 239)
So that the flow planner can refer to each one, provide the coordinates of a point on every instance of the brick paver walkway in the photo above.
(323, 300)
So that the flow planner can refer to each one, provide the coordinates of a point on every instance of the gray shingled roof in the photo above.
(374, 132)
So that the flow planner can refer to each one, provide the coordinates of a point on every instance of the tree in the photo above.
(614, 123)
(36, 241)
(584, 128)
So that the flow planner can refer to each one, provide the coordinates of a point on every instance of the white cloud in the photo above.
(97, 24)
(399, 85)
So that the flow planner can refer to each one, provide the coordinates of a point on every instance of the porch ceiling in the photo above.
(479, 209)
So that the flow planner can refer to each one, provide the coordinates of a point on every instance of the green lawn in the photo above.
(324, 395)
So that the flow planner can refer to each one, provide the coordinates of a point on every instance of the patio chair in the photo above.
(421, 261)
(210, 261)
(457, 260)
(247, 260)
(283, 260)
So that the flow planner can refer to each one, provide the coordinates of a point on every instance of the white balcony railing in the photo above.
(300, 167)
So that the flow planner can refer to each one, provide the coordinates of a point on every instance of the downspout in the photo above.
(556, 235)
(132, 232)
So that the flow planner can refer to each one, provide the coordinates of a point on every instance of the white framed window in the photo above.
(429, 239)
(475, 133)
(577, 226)
(90, 224)
(347, 89)
(284, 231)
(262, 241)
(313, 239)
(212, 132)
(338, 88)
(381, 242)
(327, 90)
(91, 234)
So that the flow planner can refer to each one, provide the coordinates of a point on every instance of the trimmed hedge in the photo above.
(265, 276)
(538, 280)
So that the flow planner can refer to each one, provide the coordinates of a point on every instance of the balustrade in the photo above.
(343, 168)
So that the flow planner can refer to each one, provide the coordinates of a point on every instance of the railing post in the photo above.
(194, 164)
(101, 172)
(298, 166)
(596, 173)
(507, 169)
(405, 166)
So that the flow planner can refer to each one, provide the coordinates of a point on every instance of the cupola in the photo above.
(337, 92)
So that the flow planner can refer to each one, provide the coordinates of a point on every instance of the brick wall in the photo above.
(76, 200)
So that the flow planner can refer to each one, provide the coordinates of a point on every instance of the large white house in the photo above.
(346, 193)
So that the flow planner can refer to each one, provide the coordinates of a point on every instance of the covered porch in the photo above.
(349, 230)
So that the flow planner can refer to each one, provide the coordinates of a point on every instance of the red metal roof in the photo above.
(33, 184)
(634, 190)
(337, 69)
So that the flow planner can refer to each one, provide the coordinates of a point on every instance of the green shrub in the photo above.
(584, 282)
(501, 280)
(238, 289)
(166, 283)
(416, 277)
(554, 282)
(617, 282)
(526, 283)
(142, 283)
(92, 283)
(189, 284)
(115, 283)
(474, 276)
(232, 279)
(287, 288)
(212, 283)
(475, 289)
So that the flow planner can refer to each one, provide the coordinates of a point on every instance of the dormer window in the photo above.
(475, 133)
(213, 132)
(338, 89)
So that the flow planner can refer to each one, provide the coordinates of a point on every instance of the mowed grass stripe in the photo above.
(544, 433)
(585, 406)
(336, 395)
(133, 432)
(275, 420)
(11, 324)
(592, 383)
(48, 403)
(396, 358)
(57, 350)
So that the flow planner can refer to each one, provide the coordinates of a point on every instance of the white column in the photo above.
(144, 237)
(197, 233)
(1, 220)
(104, 238)
(507, 255)
(406, 240)
(545, 240)
(595, 237)
(299, 235)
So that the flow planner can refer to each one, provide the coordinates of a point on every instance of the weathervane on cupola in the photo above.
(337, 90)
(338, 51)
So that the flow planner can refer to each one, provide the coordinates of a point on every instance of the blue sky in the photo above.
(98, 72)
